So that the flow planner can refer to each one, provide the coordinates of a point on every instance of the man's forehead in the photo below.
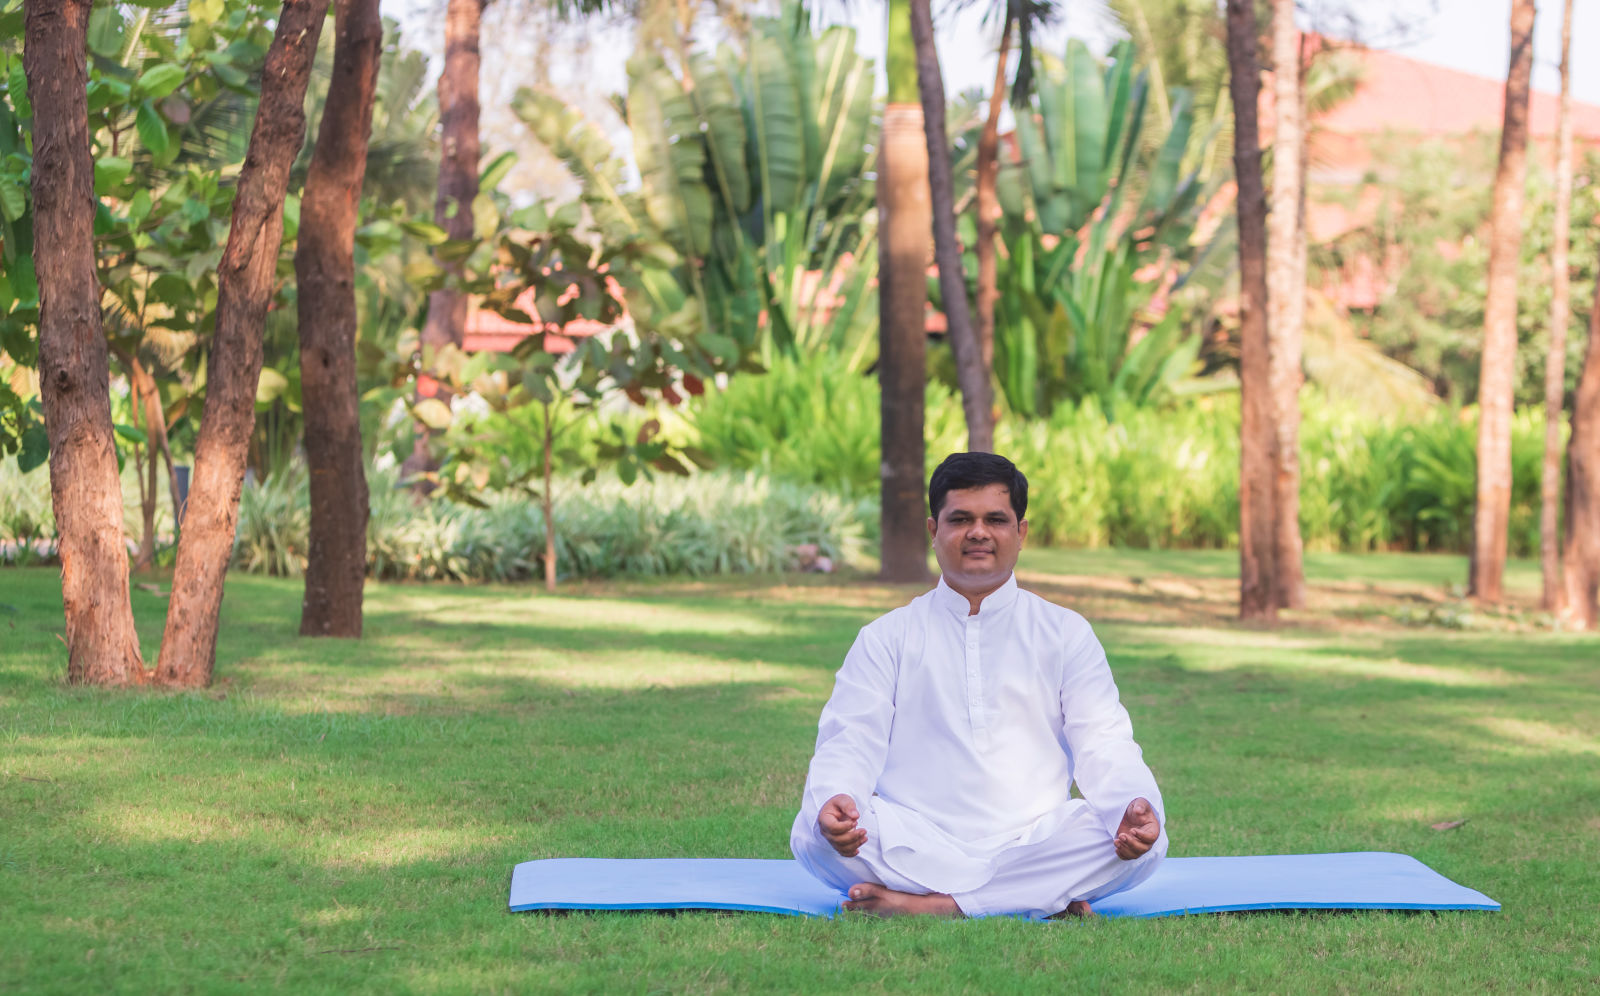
(987, 498)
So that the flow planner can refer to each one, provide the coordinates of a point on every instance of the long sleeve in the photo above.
(853, 733)
(1107, 764)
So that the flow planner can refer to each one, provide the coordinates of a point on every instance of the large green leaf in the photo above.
(1164, 174)
(1089, 117)
(773, 117)
(843, 102)
(723, 121)
(586, 152)
(670, 153)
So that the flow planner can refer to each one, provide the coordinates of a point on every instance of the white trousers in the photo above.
(1034, 880)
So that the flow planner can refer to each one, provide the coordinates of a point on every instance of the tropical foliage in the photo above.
(1099, 228)
(1157, 476)
(753, 168)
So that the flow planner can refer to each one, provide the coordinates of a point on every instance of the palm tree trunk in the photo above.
(245, 279)
(1581, 552)
(1555, 373)
(988, 203)
(458, 185)
(904, 218)
(1498, 371)
(1286, 298)
(972, 374)
(74, 365)
(324, 266)
(1258, 430)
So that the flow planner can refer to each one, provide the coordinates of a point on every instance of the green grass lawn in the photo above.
(343, 817)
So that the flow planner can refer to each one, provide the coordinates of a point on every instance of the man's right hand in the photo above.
(837, 821)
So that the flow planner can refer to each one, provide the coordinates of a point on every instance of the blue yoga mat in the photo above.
(1370, 880)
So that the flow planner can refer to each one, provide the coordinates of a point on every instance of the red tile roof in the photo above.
(1403, 94)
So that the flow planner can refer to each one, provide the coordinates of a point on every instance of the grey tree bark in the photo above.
(972, 374)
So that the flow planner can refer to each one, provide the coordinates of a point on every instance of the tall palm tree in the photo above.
(903, 226)
(1581, 552)
(1286, 298)
(1258, 438)
(1498, 369)
(1022, 16)
(1555, 374)
(977, 391)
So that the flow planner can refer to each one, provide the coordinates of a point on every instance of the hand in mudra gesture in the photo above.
(837, 821)
(1138, 831)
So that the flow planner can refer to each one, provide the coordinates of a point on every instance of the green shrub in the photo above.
(814, 421)
(715, 523)
(1153, 478)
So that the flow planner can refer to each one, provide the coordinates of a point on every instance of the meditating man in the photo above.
(945, 758)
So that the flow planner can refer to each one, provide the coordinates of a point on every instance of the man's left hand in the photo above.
(1138, 831)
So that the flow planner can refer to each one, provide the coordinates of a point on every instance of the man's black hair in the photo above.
(961, 471)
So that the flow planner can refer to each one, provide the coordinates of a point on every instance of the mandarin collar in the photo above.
(956, 603)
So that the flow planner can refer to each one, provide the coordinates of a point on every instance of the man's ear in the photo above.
(1022, 529)
(933, 526)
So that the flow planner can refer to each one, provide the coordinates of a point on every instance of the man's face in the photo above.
(977, 538)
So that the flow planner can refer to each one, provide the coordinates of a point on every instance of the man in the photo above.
(945, 758)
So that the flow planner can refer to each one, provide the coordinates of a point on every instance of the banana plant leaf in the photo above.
(670, 155)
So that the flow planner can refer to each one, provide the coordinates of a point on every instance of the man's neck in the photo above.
(975, 596)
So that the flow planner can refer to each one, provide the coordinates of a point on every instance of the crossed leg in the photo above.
(1063, 872)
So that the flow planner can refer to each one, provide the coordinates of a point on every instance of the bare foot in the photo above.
(1078, 908)
(878, 900)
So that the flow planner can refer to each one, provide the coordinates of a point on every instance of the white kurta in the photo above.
(959, 738)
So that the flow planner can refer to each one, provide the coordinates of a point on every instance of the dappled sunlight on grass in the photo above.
(1317, 654)
(391, 848)
(507, 679)
(1523, 735)
(340, 816)
(532, 612)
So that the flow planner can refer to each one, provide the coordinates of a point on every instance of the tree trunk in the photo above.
(1286, 298)
(1581, 553)
(1258, 466)
(324, 267)
(988, 204)
(74, 365)
(972, 374)
(1497, 375)
(903, 223)
(1555, 373)
(244, 289)
(458, 185)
